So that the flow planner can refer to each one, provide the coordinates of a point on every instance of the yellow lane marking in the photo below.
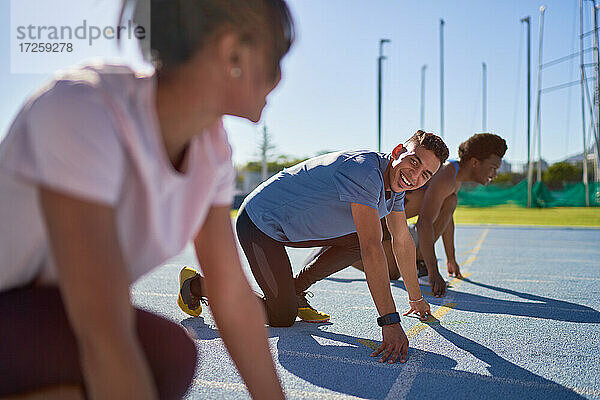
(478, 244)
(370, 344)
(456, 280)
(477, 247)
(470, 260)
(453, 283)
(415, 330)
(481, 239)
(443, 310)
(435, 317)
(475, 251)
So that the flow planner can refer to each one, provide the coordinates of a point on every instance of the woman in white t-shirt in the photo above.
(105, 174)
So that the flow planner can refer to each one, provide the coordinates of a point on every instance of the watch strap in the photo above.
(388, 319)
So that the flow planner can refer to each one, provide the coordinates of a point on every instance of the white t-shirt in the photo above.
(92, 133)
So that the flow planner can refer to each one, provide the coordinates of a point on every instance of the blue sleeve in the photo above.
(399, 201)
(358, 183)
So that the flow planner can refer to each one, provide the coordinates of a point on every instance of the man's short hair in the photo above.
(431, 142)
(482, 146)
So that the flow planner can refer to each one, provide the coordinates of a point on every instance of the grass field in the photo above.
(512, 215)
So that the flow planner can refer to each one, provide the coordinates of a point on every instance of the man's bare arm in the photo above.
(369, 233)
(440, 187)
(448, 239)
(368, 228)
(404, 251)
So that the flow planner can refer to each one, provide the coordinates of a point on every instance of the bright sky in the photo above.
(327, 99)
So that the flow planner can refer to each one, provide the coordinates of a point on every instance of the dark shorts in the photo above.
(38, 348)
(272, 270)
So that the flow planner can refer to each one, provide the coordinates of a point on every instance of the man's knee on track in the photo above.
(284, 317)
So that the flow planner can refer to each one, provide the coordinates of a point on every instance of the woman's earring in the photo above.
(236, 72)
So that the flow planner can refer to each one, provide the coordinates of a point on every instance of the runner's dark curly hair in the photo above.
(430, 142)
(482, 146)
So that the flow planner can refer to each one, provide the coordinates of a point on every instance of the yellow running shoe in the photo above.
(189, 303)
(307, 313)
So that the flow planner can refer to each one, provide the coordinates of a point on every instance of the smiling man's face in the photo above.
(412, 169)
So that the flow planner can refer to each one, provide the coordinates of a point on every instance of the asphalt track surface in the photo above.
(524, 324)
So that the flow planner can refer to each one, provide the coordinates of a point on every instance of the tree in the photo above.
(265, 147)
(560, 173)
(273, 167)
(509, 178)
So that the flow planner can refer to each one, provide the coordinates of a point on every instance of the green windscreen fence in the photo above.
(571, 196)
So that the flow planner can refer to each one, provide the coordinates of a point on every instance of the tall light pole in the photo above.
(484, 106)
(597, 97)
(583, 82)
(538, 109)
(442, 78)
(527, 20)
(423, 68)
(538, 117)
(379, 78)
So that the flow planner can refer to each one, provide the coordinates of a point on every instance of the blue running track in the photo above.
(524, 324)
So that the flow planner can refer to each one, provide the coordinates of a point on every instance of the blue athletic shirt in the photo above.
(311, 200)
(455, 165)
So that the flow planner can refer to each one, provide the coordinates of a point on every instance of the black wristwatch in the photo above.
(388, 319)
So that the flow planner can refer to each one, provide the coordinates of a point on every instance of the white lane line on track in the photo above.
(496, 379)
(401, 387)
(557, 277)
(346, 360)
(406, 378)
(529, 306)
(413, 367)
(302, 394)
(524, 281)
(354, 292)
(585, 391)
(532, 305)
(155, 294)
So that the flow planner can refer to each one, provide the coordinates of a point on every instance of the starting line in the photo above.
(415, 330)
(443, 310)
(404, 381)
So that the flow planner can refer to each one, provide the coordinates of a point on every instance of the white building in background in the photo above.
(505, 167)
(247, 181)
(521, 167)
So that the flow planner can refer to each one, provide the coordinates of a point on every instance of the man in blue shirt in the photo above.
(479, 159)
(337, 200)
